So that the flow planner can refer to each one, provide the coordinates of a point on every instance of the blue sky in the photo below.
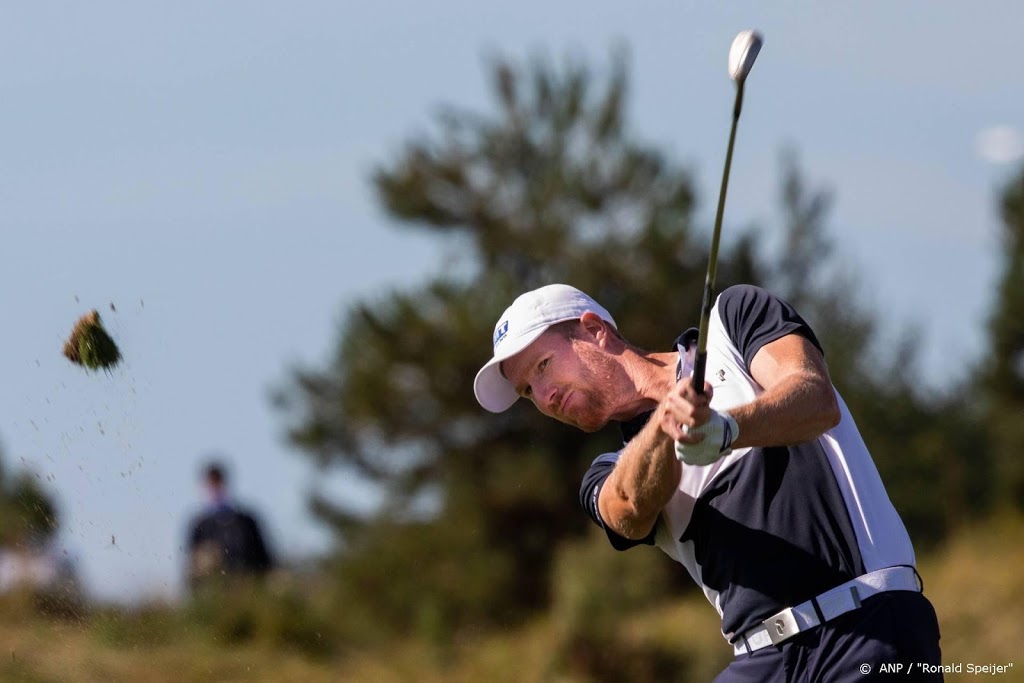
(204, 167)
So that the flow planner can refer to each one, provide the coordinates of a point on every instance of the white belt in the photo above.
(826, 607)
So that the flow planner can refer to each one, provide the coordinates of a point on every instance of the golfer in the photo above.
(761, 486)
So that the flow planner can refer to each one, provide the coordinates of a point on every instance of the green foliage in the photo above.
(279, 614)
(63, 603)
(28, 521)
(673, 639)
(598, 596)
(14, 670)
(423, 579)
(595, 589)
(1002, 371)
(146, 626)
(27, 513)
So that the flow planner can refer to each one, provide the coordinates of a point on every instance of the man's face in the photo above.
(214, 488)
(571, 380)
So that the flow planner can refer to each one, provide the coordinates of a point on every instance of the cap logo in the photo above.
(500, 333)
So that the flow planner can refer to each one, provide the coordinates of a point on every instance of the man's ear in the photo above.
(594, 326)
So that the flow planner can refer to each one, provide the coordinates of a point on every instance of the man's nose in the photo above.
(550, 394)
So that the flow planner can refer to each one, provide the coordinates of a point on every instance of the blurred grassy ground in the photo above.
(975, 581)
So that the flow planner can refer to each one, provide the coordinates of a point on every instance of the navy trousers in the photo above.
(890, 629)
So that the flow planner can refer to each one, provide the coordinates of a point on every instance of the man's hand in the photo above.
(717, 435)
(701, 435)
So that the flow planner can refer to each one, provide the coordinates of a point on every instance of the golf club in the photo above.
(742, 54)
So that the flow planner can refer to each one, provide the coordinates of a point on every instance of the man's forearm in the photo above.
(643, 481)
(797, 409)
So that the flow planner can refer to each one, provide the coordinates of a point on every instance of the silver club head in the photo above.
(743, 53)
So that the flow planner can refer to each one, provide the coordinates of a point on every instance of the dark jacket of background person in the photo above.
(225, 539)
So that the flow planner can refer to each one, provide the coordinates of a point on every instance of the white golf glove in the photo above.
(719, 433)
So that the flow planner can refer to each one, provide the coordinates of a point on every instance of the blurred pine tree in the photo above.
(552, 187)
(28, 514)
(1002, 378)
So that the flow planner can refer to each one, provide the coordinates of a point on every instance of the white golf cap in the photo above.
(521, 323)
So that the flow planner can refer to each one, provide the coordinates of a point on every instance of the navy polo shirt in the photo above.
(766, 528)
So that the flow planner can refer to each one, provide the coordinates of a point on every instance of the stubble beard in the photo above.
(595, 390)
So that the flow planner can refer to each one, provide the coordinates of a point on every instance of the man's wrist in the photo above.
(731, 431)
(719, 434)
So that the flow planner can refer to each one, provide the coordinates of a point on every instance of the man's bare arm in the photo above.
(798, 403)
(643, 481)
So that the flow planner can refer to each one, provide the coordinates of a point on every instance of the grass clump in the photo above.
(89, 344)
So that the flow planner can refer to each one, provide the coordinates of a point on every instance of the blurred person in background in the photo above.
(224, 539)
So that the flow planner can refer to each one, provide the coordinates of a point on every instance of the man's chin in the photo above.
(589, 427)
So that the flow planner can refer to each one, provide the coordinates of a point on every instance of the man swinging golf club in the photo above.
(758, 482)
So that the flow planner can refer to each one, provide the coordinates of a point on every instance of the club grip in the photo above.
(700, 362)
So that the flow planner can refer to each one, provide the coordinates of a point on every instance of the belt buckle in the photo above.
(781, 626)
